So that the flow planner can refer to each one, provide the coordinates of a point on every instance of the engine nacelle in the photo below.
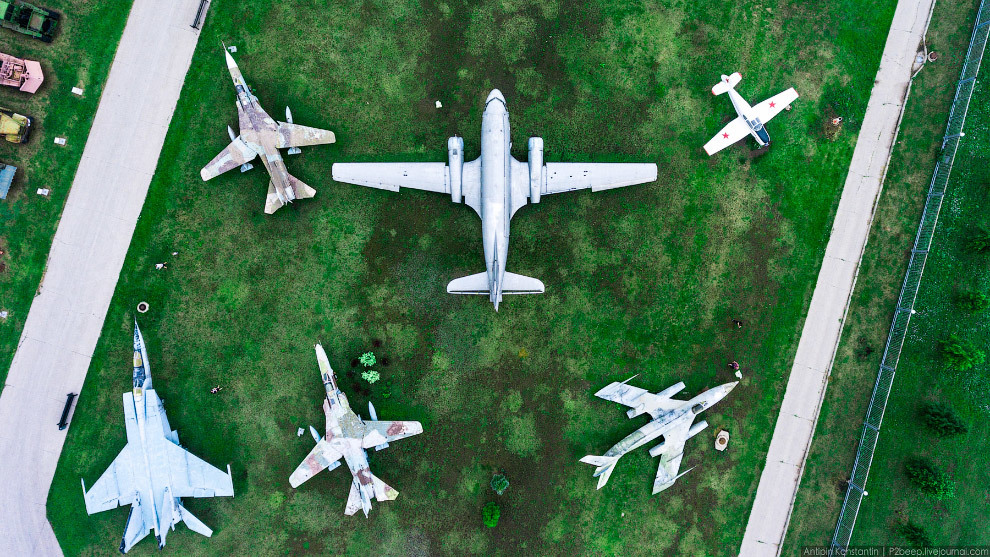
(696, 428)
(455, 153)
(536, 167)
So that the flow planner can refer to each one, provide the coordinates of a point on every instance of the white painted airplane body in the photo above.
(153, 472)
(496, 186)
(750, 119)
(347, 437)
(672, 419)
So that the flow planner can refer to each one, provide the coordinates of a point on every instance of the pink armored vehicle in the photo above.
(24, 74)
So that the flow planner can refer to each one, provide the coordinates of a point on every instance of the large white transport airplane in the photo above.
(495, 185)
(751, 118)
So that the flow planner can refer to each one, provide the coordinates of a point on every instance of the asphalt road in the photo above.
(820, 338)
(84, 264)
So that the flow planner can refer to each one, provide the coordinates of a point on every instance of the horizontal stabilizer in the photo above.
(519, 284)
(194, 524)
(301, 189)
(354, 503)
(272, 202)
(605, 466)
(471, 284)
(728, 82)
(383, 491)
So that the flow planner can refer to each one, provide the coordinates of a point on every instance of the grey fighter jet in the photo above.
(348, 436)
(263, 136)
(153, 472)
(672, 419)
(495, 185)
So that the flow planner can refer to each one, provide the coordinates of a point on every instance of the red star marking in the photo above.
(772, 104)
(725, 135)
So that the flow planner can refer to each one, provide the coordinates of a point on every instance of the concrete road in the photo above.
(87, 253)
(820, 338)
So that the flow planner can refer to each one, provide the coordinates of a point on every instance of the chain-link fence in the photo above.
(912, 280)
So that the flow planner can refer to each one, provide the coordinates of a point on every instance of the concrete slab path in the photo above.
(87, 253)
(823, 327)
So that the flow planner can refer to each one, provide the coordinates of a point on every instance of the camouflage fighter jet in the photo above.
(495, 185)
(672, 420)
(262, 136)
(348, 436)
(153, 472)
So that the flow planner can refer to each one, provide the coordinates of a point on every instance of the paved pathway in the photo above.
(813, 362)
(87, 253)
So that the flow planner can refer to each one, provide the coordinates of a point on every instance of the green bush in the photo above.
(370, 376)
(368, 359)
(500, 483)
(490, 514)
(979, 242)
(973, 301)
(962, 354)
(915, 534)
(929, 479)
(942, 419)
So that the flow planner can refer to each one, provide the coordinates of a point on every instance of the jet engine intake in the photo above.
(536, 167)
(696, 428)
(455, 153)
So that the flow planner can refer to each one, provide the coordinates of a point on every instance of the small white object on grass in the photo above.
(77, 91)
(3, 314)
(44, 191)
(299, 432)
(439, 105)
(232, 49)
(738, 374)
(59, 141)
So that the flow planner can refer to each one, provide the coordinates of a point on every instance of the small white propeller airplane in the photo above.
(751, 118)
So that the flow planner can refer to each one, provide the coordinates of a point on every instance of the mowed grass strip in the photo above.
(642, 280)
(877, 288)
(79, 56)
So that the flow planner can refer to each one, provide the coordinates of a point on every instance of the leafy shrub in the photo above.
(979, 242)
(973, 301)
(942, 419)
(962, 354)
(500, 483)
(370, 376)
(915, 534)
(929, 479)
(490, 514)
(368, 359)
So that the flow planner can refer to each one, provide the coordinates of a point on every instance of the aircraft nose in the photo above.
(495, 94)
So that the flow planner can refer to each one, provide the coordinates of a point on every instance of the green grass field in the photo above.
(868, 321)
(79, 56)
(642, 280)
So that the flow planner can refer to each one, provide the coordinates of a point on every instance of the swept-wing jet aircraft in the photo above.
(348, 436)
(153, 472)
(672, 419)
(262, 136)
(495, 185)
(751, 119)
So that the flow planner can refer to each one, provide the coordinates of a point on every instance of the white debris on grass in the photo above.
(299, 432)
(77, 91)
(44, 191)
(232, 49)
(59, 141)
(3, 314)
(439, 105)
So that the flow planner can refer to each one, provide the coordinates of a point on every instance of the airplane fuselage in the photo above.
(345, 433)
(745, 111)
(496, 190)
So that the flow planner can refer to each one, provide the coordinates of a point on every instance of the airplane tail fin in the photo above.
(194, 524)
(605, 467)
(354, 502)
(383, 491)
(512, 284)
(728, 82)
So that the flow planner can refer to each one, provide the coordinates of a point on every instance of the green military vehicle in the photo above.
(14, 127)
(28, 19)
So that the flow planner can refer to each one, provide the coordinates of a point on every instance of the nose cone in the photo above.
(718, 393)
(495, 95)
(230, 60)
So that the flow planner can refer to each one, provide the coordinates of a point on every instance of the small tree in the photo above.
(962, 354)
(973, 301)
(942, 419)
(368, 359)
(500, 483)
(929, 479)
(915, 534)
(370, 376)
(490, 513)
(979, 242)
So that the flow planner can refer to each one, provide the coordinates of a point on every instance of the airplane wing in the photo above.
(670, 458)
(233, 156)
(115, 487)
(570, 176)
(732, 132)
(322, 456)
(294, 135)
(426, 176)
(378, 432)
(191, 476)
(772, 106)
(634, 397)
